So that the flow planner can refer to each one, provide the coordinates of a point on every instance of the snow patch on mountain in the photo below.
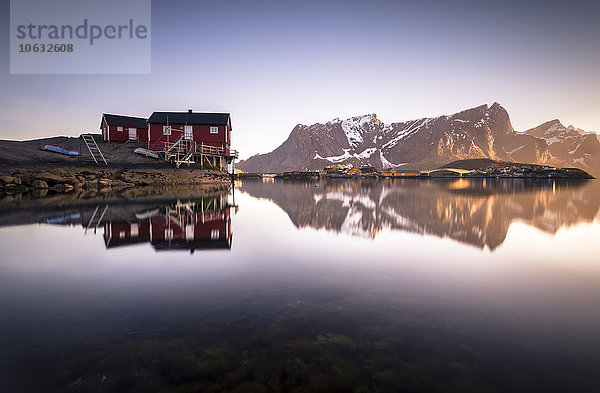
(387, 164)
(340, 158)
(552, 140)
(515, 150)
(411, 129)
(352, 128)
(552, 128)
(367, 153)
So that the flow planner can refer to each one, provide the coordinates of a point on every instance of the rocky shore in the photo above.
(65, 179)
(25, 167)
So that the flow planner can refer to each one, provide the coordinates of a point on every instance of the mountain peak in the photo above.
(367, 118)
(552, 126)
(474, 111)
(371, 117)
(497, 108)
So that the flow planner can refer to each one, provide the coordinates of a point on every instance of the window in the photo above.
(214, 234)
(133, 134)
(119, 128)
(214, 130)
(189, 232)
(168, 234)
(188, 133)
(166, 130)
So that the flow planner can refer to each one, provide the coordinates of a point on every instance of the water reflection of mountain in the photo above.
(473, 211)
(189, 221)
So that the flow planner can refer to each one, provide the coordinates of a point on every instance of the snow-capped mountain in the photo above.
(480, 132)
(573, 146)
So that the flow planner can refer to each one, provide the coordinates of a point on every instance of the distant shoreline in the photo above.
(554, 175)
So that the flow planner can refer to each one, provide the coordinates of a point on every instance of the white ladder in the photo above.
(93, 148)
(91, 223)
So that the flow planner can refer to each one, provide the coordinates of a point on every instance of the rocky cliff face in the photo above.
(480, 132)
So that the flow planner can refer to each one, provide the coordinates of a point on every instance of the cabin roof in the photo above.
(127, 121)
(215, 119)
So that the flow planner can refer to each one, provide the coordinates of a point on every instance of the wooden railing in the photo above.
(182, 145)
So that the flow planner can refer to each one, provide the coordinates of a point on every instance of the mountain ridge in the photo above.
(480, 132)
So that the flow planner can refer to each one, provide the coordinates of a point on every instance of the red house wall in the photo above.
(123, 136)
(122, 230)
(154, 229)
(202, 230)
(201, 134)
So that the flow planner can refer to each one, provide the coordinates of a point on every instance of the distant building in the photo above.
(123, 128)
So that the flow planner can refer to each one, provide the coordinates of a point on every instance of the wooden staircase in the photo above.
(93, 148)
(187, 151)
(181, 152)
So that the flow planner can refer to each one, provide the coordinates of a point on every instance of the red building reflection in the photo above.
(204, 224)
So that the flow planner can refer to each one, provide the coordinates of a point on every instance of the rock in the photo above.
(16, 188)
(41, 192)
(54, 178)
(63, 187)
(104, 183)
(48, 177)
(39, 184)
(26, 179)
(120, 183)
(10, 179)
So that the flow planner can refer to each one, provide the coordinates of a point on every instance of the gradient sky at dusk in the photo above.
(274, 64)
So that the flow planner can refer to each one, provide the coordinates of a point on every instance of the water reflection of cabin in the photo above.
(179, 227)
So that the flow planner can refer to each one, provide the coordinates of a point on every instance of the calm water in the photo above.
(332, 286)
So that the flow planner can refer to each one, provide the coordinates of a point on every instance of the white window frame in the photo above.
(120, 128)
(214, 234)
(214, 130)
(189, 232)
(166, 130)
(188, 133)
(133, 137)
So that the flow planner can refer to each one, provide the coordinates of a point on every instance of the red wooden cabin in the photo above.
(208, 129)
(123, 128)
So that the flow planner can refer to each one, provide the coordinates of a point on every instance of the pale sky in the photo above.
(275, 64)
